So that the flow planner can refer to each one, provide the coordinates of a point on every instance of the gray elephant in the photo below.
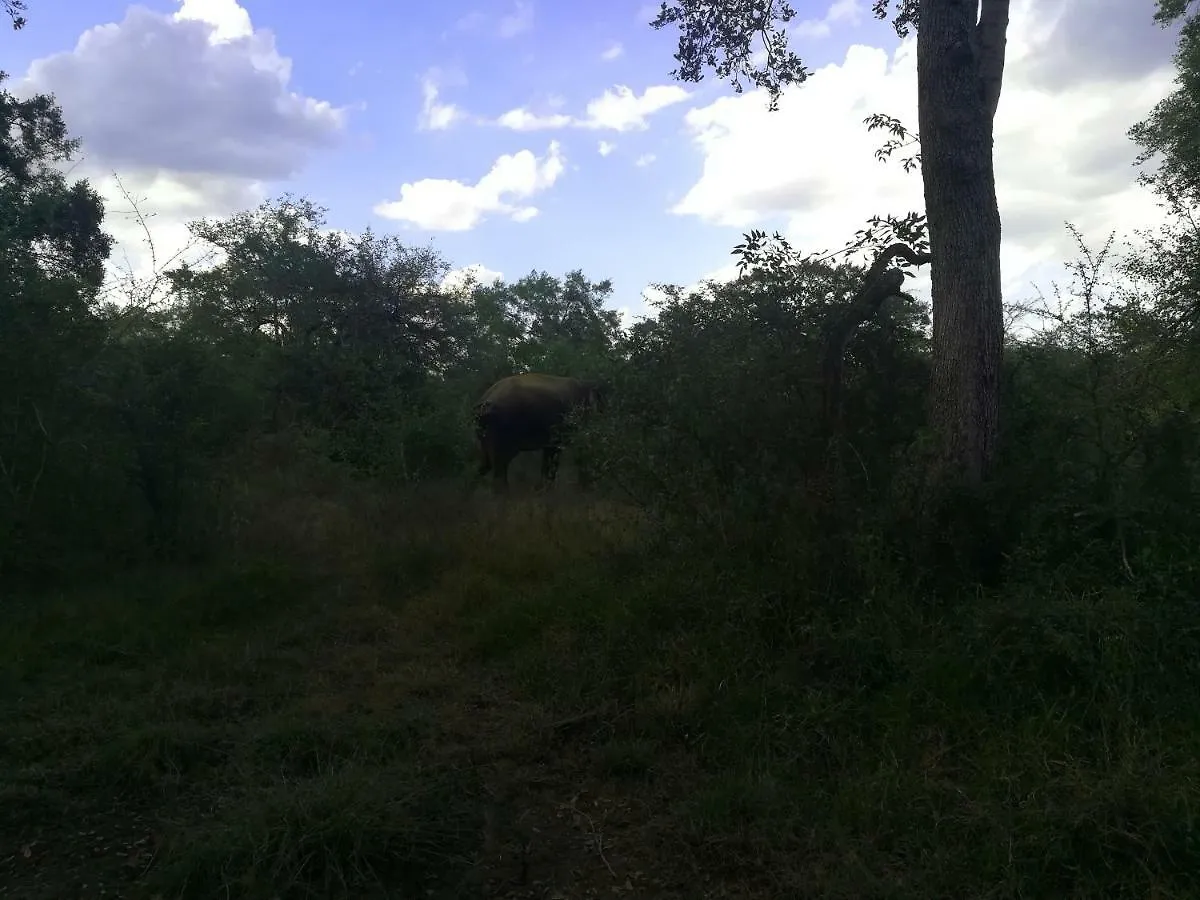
(529, 412)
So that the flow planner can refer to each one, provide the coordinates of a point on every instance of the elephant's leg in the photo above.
(501, 457)
(485, 457)
(550, 457)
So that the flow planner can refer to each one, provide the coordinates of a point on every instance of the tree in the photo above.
(15, 10)
(52, 255)
(1172, 130)
(1170, 136)
(540, 323)
(960, 64)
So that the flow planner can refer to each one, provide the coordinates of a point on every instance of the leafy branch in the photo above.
(15, 10)
(901, 137)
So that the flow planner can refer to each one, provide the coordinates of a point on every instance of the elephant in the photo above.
(529, 412)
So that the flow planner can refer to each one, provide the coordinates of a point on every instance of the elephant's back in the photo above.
(529, 385)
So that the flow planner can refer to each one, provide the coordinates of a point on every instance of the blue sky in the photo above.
(333, 102)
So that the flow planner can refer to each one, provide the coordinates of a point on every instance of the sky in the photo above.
(522, 135)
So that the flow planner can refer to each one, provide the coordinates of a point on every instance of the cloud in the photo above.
(523, 120)
(605, 147)
(644, 160)
(167, 201)
(518, 21)
(847, 11)
(1091, 41)
(440, 204)
(617, 109)
(435, 116)
(612, 52)
(646, 12)
(476, 273)
(229, 20)
(192, 113)
(722, 274)
(1061, 154)
(620, 109)
(199, 92)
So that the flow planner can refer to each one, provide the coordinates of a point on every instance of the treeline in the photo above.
(123, 424)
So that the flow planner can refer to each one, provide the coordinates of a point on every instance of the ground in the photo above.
(250, 726)
(429, 694)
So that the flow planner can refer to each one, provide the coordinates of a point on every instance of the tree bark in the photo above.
(960, 64)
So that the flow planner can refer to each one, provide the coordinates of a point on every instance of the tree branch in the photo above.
(879, 283)
(992, 41)
(15, 10)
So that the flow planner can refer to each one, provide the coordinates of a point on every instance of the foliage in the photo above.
(16, 12)
(722, 36)
(1170, 136)
(540, 323)
(717, 413)
(52, 253)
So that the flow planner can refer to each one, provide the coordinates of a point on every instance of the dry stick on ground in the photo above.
(597, 835)
(605, 708)
(879, 283)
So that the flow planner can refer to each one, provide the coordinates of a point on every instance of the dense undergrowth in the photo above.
(395, 693)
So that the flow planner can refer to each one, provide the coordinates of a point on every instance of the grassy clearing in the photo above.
(457, 696)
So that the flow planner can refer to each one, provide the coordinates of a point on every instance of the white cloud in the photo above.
(192, 112)
(720, 275)
(229, 20)
(617, 109)
(441, 204)
(520, 119)
(839, 11)
(518, 21)
(471, 21)
(605, 147)
(1061, 154)
(199, 91)
(620, 109)
(435, 116)
(651, 297)
(646, 12)
(644, 160)
(612, 52)
(167, 202)
(476, 273)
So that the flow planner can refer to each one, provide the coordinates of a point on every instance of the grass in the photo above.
(430, 695)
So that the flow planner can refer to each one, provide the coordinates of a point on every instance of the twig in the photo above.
(599, 838)
(581, 717)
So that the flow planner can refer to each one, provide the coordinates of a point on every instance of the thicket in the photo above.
(131, 419)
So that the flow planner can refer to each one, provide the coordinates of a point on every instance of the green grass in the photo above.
(466, 697)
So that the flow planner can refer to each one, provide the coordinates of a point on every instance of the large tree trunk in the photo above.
(960, 63)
